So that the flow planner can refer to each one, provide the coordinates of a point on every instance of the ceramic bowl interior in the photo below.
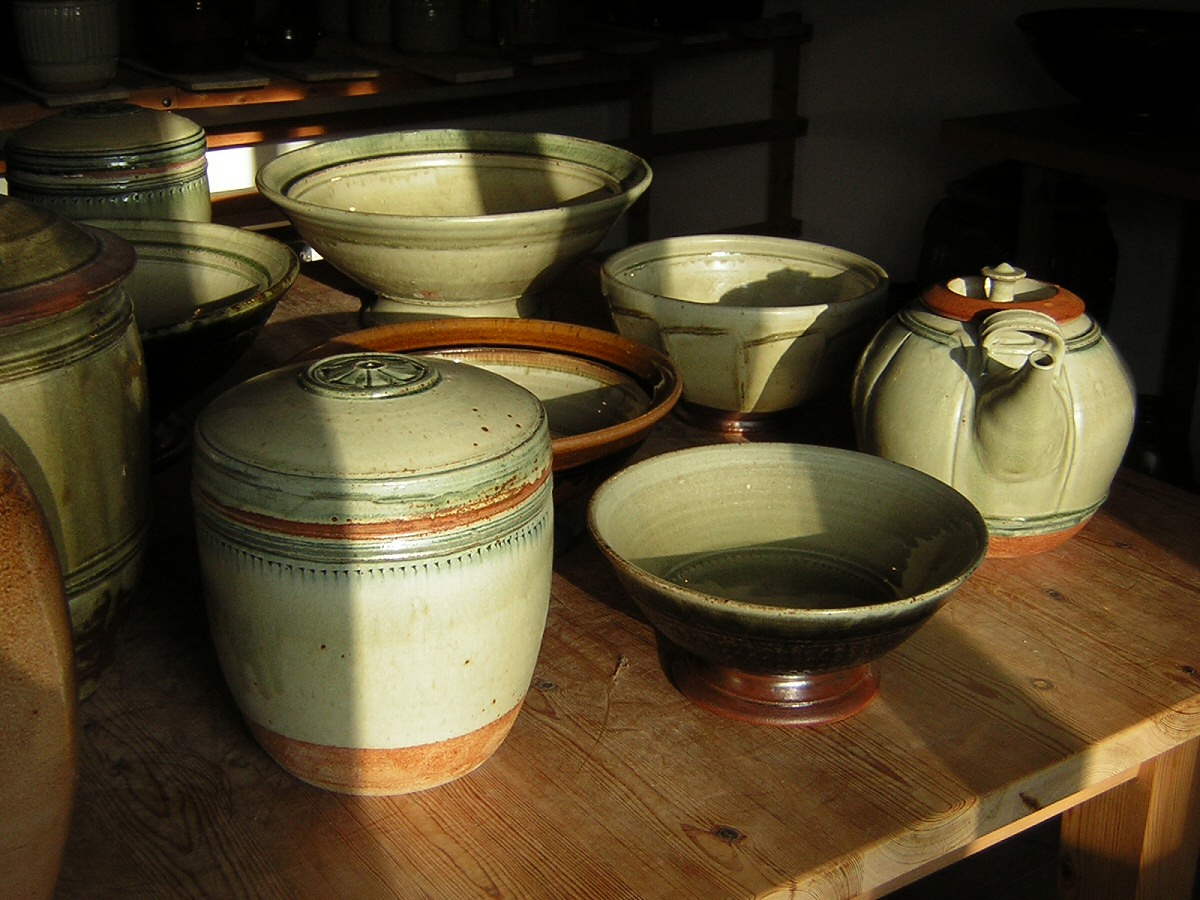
(454, 221)
(201, 292)
(603, 393)
(755, 324)
(777, 560)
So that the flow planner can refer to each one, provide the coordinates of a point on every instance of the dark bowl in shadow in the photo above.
(1121, 63)
(780, 573)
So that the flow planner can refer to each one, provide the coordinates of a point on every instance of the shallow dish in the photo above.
(201, 292)
(779, 573)
(756, 325)
(454, 222)
(603, 393)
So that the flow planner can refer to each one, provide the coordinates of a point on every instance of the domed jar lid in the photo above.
(1001, 287)
(363, 445)
(49, 264)
(105, 137)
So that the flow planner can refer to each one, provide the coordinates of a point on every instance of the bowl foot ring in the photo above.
(791, 699)
(735, 424)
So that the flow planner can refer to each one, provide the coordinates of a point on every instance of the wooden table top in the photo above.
(1041, 678)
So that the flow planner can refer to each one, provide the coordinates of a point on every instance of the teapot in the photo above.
(1005, 388)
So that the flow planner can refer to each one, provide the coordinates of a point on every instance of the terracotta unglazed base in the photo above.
(1012, 546)
(798, 699)
(381, 772)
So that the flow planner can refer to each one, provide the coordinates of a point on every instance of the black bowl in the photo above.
(1130, 63)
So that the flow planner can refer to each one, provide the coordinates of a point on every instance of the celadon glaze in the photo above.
(1003, 387)
(112, 160)
(754, 324)
(376, 544)
(74, 396)
(454, 222)
(780, 572)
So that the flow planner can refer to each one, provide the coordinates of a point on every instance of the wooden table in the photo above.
(1066, 682)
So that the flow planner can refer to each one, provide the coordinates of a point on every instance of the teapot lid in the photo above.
(49, 264)
(358, 442)
(1001, 287)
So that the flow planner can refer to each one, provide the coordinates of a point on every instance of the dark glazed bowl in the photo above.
(781, 572)
(1119, 62)
(201, 293)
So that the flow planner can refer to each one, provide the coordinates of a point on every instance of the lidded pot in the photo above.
(112, 160)
(75, 416)
(376, 543)
(1005, 388)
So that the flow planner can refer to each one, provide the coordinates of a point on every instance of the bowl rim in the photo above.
(280, 261)
(617, 264)
(710, 603)
(653, 370)
(276, 177)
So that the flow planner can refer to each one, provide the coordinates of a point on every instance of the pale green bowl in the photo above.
(454, 222)
(756, 325)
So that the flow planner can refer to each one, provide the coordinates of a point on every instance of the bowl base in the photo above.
(724, 421)
(385, 310)
(791, 699)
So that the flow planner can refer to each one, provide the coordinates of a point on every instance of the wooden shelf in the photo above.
(402, 94)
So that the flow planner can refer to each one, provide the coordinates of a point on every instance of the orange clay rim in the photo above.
(1063, 306)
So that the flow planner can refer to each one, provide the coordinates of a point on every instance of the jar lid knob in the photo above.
(1000, 282)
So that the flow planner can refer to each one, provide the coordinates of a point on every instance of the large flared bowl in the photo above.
(779, 573)
(454, 222)
(756, 325)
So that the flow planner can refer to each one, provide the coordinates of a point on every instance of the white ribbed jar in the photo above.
(375, 538)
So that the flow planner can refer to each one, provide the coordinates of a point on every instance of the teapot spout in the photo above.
(1023, 424)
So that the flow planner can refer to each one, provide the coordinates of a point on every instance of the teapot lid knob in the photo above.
(1000, 281)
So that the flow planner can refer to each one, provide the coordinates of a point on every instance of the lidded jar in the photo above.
(1005, 388)
(112, 160)
(375, 539)
(73, 398)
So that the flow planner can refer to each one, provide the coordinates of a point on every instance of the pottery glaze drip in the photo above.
(1005, 388)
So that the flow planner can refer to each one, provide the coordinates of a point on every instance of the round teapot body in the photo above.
(377, 610)
(1026, 413)
(73, 394)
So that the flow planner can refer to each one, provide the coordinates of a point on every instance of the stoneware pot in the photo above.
(454, 222)
(427, 26)
(375, 535)
(1004, 387)
(112, 160)
(38, 703)
(756, 325)
(73, 391)
(779, 573)
(68, 46)
(603, 393)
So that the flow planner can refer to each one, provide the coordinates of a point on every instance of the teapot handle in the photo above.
(1005, 337)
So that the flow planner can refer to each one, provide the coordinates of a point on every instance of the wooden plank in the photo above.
(1140, 840)
(1043, 680)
